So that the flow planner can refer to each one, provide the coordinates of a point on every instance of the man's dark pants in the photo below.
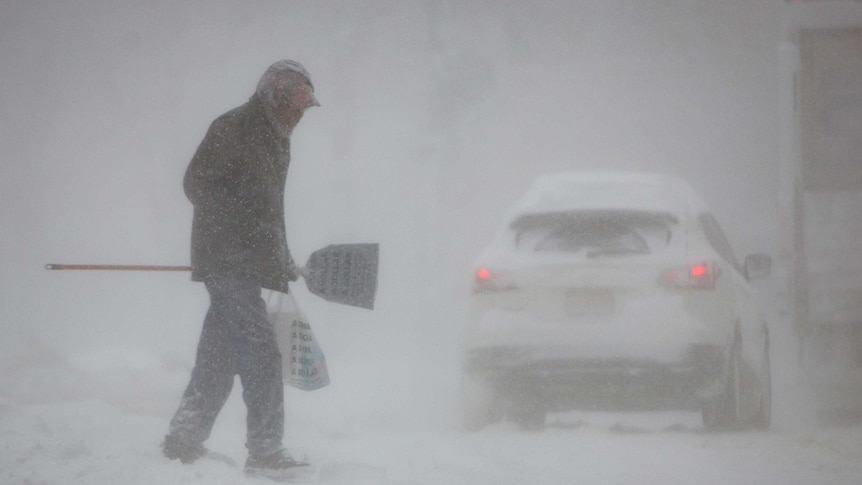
(237, 338)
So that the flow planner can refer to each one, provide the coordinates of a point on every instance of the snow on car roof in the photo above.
(608, 190)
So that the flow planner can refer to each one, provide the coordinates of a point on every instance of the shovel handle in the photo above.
(117, 267)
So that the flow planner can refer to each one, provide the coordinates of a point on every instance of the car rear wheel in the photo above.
(479, 403)
(763, 415)
(723, 412)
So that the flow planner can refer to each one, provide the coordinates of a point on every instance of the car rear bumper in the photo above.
(561, 382)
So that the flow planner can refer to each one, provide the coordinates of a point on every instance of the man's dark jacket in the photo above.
(236, 183)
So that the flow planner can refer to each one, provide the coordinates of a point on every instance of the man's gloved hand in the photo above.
(292, 270)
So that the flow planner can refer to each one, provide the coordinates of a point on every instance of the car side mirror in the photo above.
(758, 266)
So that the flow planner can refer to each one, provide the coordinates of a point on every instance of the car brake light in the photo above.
(699, 276)
(486, 280)
(482, 274)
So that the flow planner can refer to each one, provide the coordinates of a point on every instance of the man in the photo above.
(236, 183)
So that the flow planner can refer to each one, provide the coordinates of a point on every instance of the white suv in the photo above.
(614, 291)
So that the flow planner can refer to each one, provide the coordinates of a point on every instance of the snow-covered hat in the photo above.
(274, 71)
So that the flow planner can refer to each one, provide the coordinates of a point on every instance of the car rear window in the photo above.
(594, 233)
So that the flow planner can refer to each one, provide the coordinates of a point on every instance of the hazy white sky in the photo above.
(435, 116)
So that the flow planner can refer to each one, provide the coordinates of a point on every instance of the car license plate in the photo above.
(589, 302)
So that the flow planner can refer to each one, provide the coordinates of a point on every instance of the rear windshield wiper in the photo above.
(614, 252)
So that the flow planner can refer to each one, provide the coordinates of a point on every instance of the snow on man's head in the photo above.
(283, 75)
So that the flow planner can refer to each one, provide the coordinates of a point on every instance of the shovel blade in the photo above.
(344, 273)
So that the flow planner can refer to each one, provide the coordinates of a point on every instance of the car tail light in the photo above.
(698, 276)
(487, 280)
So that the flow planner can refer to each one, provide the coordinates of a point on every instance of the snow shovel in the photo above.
(344, 273)
(340, 273)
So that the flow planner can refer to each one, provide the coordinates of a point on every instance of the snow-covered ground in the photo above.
(98, 419)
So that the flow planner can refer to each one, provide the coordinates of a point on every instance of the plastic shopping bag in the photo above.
(303, 362)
